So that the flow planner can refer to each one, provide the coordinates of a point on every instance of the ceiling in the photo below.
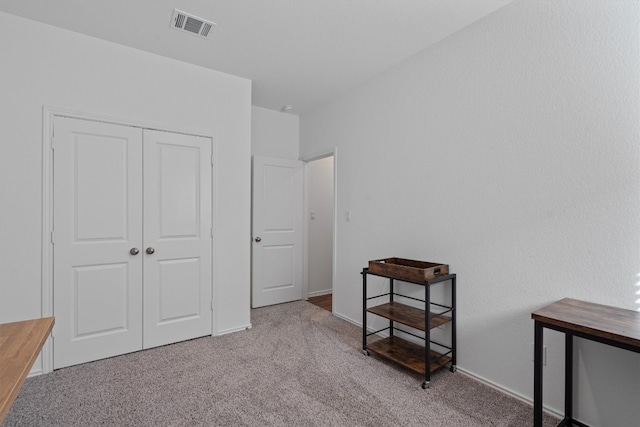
(297, 52)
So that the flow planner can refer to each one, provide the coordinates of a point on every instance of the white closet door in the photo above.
(97, 222)
(177, 237)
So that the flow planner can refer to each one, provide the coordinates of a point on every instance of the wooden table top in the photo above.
(597, 320)
(20, 345)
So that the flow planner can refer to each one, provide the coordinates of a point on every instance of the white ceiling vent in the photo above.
(191, 24)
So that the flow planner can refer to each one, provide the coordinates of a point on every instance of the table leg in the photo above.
(537, 375)
(390, 300)
(427, 336)
(568, 376)
(364, 310)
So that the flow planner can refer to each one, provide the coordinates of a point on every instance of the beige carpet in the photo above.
(298, 366)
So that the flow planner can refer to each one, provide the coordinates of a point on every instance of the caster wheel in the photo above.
(425, 385)
(365, 352)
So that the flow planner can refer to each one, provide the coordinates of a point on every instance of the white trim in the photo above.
(305, 230)
(232, 330)
(35, 373)
(335, 227)
(330, 152)
(353, 322)
(105, 118)
(511, 393)
(319, 154)
(48, 116)
(382, 334)
(46, 284)
(320, 293)
(214, 228)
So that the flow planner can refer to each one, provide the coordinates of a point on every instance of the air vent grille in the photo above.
(191, 24)
(205, 29)
(180, 20)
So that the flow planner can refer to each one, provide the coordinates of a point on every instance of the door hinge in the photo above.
(212, 160)
(211, 231)
(52, 238)
(53, 332)
(53, 143)
(211, 305)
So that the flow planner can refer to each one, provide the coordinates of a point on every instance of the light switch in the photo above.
(313, 215)
(347, 215)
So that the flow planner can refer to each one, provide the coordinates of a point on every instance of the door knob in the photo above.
(150, 250)
(134, 251)
(258, 239)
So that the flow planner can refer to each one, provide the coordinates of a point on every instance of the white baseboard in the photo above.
(508, 392)
(346, 319)
(383, 334)
(232, 330)
(319, 293)
(35, 372)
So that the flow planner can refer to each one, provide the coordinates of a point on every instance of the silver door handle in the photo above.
(150, 250)
(134, 251)
(258, 239)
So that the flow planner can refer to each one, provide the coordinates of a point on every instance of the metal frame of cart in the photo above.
(412, 356)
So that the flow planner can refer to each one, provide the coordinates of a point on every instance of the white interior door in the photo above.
(277, 231)
(177, 232)
(97, 222)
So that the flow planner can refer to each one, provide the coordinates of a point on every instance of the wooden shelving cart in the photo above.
(410, 355)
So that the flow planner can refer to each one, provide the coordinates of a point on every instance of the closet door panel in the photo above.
(97, 203)
(177, 237)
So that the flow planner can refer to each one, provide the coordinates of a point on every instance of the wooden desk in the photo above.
(602, 323)
(20, 344)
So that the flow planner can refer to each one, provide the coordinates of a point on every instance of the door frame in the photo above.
(49, 113)
(330, 152)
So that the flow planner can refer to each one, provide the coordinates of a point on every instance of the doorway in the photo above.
(320, 219)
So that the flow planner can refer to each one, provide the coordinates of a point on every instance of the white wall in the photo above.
(319, 187)
(274, 134)
(509, 151)
(47, 66)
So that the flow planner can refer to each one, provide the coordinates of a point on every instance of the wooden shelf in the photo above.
(407, 354)
(407, 315)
